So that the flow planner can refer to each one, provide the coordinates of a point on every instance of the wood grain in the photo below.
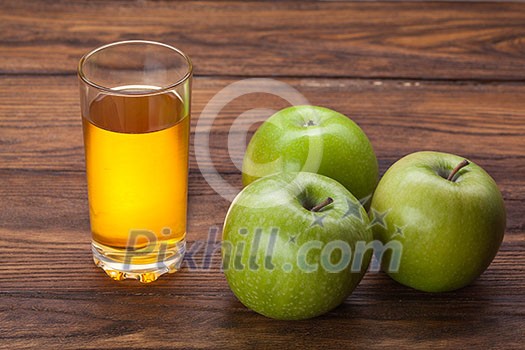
(399, 117)
(413, 75)
(201, 309)
(481, 121)
(49, 281)
(453, 40)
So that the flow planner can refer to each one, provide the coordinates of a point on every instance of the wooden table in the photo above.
(414, 75)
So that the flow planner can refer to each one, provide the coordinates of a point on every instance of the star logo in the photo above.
(353, 210)
(399, 232)
(378, 218)
(365, 200)
(318, 221)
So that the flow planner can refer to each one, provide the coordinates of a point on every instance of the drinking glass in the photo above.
(135, 103)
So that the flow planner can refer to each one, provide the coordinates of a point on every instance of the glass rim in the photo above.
(108, 90)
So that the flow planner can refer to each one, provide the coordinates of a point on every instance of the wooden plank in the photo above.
(485, 122)
(58, 201)
(64, 300)
(90, 321)
(31, 270)
(49, 283)
(94, 319)
(340, 39)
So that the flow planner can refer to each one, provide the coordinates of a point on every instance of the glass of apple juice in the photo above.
(135, 103)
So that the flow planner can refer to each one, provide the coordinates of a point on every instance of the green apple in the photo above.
(448, 214)
(317, 140)
(288, 241)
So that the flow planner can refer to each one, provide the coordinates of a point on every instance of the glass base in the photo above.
(119, 263)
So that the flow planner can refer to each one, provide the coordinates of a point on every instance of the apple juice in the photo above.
(137, 167)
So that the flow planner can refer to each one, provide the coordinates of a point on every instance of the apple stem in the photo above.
(463, 163)
(310, 123)
(323, 204)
